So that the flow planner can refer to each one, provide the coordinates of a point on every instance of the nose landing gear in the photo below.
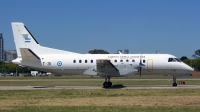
(174, 84)
(174, 81)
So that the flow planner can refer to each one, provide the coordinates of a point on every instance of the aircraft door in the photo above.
(150, 65)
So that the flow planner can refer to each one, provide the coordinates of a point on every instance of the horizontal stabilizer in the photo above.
(28, 55)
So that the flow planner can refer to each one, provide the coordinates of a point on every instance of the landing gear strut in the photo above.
(174, 81)
(107, 82)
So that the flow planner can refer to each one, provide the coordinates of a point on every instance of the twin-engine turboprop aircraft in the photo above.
(32, 55)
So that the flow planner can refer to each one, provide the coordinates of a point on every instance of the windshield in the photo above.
(177, 59)
(174, 60)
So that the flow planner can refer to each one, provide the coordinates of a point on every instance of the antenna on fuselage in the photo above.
(119, 52)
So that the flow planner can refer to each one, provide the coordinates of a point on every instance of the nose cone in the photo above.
(187, 68)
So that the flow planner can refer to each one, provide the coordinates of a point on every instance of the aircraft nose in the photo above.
(188, 68)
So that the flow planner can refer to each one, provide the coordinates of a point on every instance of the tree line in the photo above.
(195, 62)
(7, 68)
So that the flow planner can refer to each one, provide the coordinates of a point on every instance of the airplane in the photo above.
(31, 54)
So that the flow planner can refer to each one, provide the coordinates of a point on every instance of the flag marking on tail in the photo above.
(26, 39)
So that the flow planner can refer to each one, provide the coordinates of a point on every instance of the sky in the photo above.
(142, 26)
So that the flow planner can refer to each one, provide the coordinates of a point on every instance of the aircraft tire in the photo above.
(109, 84)
(105, 84)
(174, 84)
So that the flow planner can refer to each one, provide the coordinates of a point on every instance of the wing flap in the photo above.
(105, 67)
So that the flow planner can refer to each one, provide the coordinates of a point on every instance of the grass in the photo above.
(76, 93)
(106, 100)
(150, 100)
(104, 109)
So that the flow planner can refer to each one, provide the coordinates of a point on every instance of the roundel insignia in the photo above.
(59, 63)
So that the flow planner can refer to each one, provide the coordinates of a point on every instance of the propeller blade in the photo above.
(140, 66)
(140, 60)
(140, 70)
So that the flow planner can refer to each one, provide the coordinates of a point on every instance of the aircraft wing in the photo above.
(105, 67)
(28, 55)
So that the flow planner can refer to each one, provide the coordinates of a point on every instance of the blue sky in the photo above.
(142, 26)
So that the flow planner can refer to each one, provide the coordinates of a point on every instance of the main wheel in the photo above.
(105, 85)
(174, 84)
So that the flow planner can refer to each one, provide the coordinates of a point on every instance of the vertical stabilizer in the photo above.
(23, 38)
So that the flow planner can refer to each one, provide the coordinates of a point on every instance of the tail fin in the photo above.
(24, 39)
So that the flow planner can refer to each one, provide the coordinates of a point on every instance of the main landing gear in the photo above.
(174, 81)
(107, 82)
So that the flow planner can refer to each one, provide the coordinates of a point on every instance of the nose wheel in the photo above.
(174, 84)
(107, 82)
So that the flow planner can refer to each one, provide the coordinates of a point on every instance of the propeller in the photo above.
(140, 66)
(140, 69)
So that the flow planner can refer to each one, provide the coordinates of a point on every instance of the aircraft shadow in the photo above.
(117, 86)
(43, 87)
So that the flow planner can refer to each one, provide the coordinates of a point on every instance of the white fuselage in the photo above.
(76, 64)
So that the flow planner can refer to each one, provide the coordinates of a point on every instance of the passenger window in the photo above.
(80, 61)
(133, 60)
(85, 61)
(91, 61)
(74, 61)
(115, 61)
(121, 60)
(126, 60)
(144, 61)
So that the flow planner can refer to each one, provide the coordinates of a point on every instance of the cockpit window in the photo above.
(174, 60)
(177, 59)
(171, 60)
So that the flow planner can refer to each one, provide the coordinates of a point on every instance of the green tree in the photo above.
(98, 51)
(194, 63)
(188, 62)
(183, 58)
(12, 68)
(2, 67)
(196, 54)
